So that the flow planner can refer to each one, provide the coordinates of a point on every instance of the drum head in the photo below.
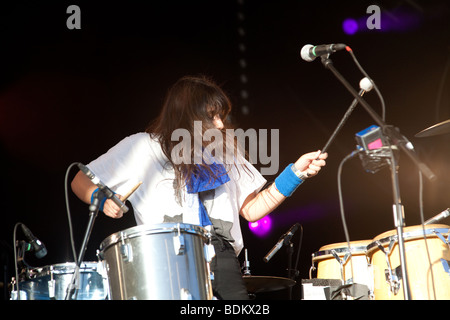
(144, 230)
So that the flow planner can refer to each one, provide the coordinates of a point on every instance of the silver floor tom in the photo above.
(51, 282)
(165, 261)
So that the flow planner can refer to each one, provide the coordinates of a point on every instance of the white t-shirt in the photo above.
(139, 158)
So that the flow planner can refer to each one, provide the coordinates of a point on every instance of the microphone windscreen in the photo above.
(304, 53)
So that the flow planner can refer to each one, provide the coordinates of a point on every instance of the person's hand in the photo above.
(111, 209)
(310, 163)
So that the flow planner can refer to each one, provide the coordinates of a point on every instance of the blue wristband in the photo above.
(102, 202)
(287, 182)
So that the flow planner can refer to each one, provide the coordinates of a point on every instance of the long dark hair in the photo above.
(190, 99)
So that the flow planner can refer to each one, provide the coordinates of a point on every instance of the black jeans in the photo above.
(228, 283)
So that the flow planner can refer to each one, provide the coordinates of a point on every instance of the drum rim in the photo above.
(147, 229)
(418, 232)
(62, 268)
(328, 252)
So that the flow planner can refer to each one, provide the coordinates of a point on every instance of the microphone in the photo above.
(246, 264)
(440, 216)
(283, 240)
(102, 187)
(310, 52)
(37, 246)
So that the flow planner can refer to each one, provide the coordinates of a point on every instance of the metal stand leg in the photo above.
(399, 223)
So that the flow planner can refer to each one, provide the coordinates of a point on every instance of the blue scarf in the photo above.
(203, 181)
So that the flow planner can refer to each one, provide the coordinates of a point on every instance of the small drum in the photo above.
(51, 282)
(165, 261)
(334, 262)
(427, 262)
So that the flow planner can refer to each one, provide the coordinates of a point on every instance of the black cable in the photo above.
(441, 88)
(69, 219)
(70, 231)
(299, 249)
(422, 220)
(380, 96)
(15, 259)
(341, 203)
(293, 272)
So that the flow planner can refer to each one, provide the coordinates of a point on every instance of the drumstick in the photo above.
(131, 191)
(341, 124)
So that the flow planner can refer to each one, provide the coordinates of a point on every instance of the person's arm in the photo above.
(258, 205)
(83, 188)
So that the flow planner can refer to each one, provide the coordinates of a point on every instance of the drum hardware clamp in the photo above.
(178, 242)
(444, 262)
(445, 266)
(209, 247)
(440, 236)
(185, 294)
(393, 276)
(125, 250)
(51, 285)
(342, 262)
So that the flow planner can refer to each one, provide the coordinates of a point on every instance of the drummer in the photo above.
(207, 192)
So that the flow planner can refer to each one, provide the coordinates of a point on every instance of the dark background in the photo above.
(69, 95)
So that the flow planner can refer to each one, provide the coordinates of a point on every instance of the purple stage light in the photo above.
(350, 26)
(261, 227)
(401, 19)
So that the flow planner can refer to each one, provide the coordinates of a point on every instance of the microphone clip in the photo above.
(326, 61)
(98, 200)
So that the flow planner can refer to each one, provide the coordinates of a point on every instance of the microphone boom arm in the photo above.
(388, 130)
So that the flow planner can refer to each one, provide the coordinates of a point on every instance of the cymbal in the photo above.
(439, 128)
(257, 284)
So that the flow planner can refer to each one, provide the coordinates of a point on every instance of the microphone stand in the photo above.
(93, 212)
(398, 140)
(290, 272)
(285, 240)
